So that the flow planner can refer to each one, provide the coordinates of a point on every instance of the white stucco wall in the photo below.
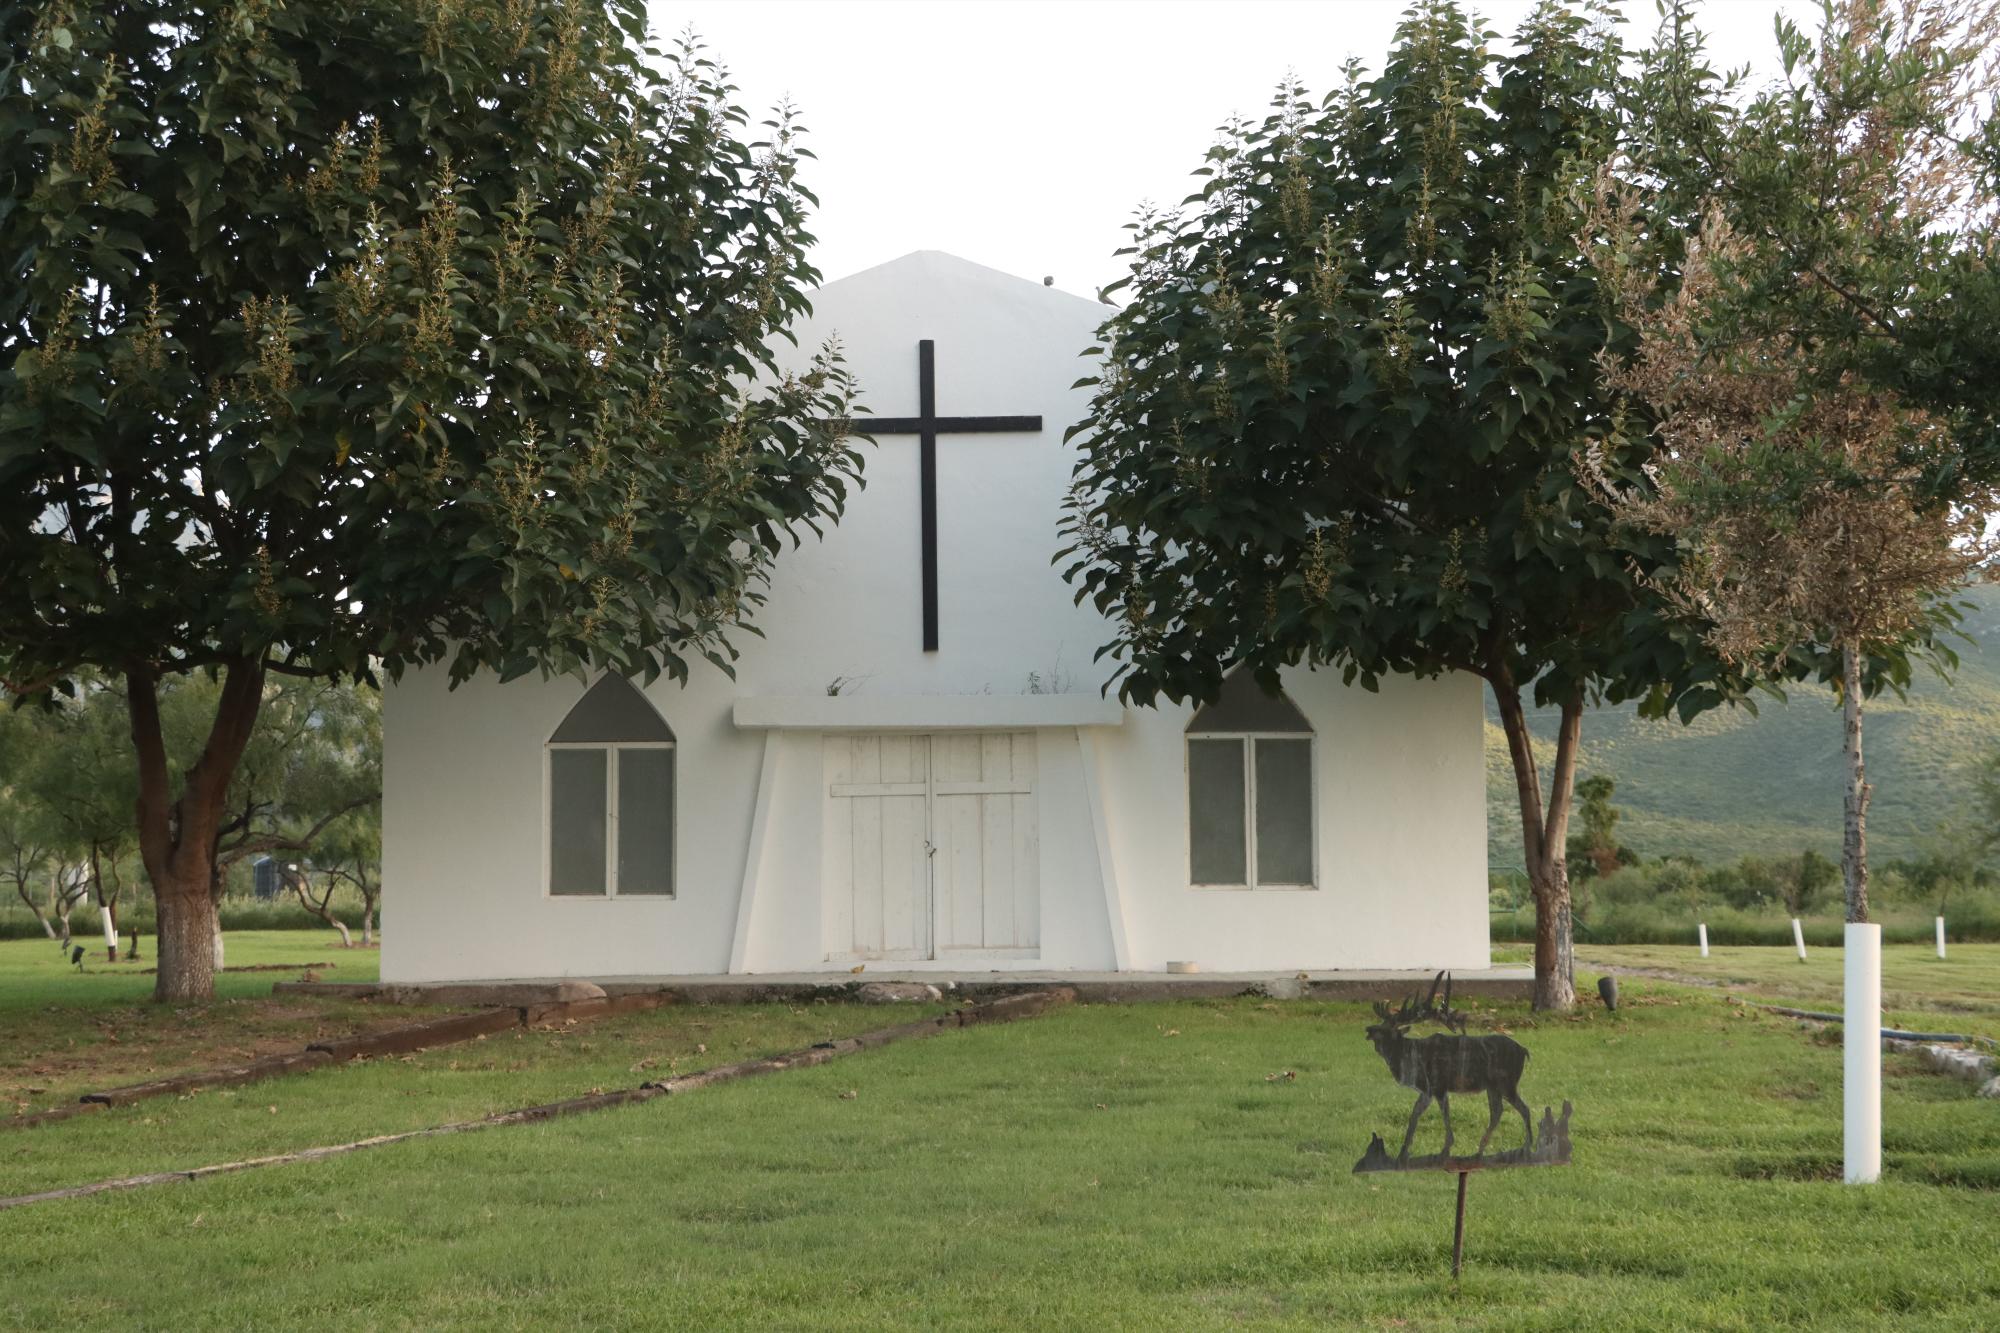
(1401, 837)
(1401, 774)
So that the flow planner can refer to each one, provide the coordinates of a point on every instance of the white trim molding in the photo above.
(1107, 864)
(926, 712)
(753, 861)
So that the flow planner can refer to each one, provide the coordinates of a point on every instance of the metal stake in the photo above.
(1458, 1230)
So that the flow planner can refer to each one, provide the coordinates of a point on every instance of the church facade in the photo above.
(915, 767)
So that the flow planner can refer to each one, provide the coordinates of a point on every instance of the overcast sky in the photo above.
(1023, 135)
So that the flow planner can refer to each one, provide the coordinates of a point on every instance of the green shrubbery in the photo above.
(1753, 899)
(238, 913)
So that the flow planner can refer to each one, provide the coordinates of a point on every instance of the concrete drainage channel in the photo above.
(1001, 1010)
(1956, 1054)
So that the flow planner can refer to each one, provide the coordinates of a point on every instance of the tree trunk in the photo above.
(1854, 840)
(367, 922)
(184, 940)
(107, 917)
(321, 908)
(1545, 837)
(216, 950)
(21, 887)
(177, 835)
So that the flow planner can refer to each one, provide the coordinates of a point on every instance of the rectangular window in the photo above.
(1215, 811)
(1284, 811)
(645, 822)
(578, 823)
(1251, 814)
(611, 821)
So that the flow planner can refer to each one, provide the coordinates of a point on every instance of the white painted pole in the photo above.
(1799, 939)
(1940, 933)
(1702, 930)
(1861, 1048)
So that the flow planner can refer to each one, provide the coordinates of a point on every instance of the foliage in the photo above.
(1816, 506)
(1732, 783)
(1752, 900)
(69, 773)
(349, 336)
(1595, 850)
(314, 760)
(1335, 424)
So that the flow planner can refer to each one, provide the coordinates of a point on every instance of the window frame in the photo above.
(1248, 740)
(611, 767)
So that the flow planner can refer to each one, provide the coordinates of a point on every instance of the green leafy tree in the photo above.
(350, 855)
(1337, 421)
(77, 778)
(27, 849)
(1594, 849)
(1826, 498)
(1799, 881)
(343, 337)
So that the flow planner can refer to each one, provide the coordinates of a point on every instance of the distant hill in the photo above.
(1731, 784)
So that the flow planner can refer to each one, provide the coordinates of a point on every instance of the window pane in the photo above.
(1215, 811)
(645, 821)
(576, 822)
(1284, 812)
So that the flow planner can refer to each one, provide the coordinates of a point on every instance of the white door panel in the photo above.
(931, 845)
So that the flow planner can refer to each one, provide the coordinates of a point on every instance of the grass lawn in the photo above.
(1958, 993)
(1105, 1166)
(65, 1032)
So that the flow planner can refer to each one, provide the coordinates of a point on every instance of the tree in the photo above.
(1801, 879)
(1335, 424)
(316, 898)
(349, 337)
(77, 779)
(351, 853)
(1819, 511)
(25, 848)
(314, 757)
(1594, 850)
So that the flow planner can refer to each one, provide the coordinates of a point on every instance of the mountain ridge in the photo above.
(1731, 784)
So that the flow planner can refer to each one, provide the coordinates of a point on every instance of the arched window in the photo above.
(609, 774)
(1251, 813)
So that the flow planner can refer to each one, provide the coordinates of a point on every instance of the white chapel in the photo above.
(916, 764)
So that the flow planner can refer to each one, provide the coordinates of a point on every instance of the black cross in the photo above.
(927, 425)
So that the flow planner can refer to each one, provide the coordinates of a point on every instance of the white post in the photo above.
(1861, 1046)
(1799, 939)
(1702, 930)
(1940, 934)
(106, 919)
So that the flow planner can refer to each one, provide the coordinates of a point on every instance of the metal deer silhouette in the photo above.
(1440, 1065)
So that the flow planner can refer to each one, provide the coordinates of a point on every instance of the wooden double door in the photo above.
(930, 846)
